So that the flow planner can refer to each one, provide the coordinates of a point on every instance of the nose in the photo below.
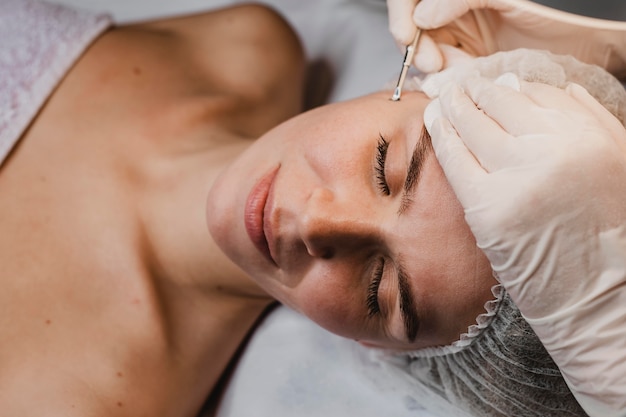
(329, 225)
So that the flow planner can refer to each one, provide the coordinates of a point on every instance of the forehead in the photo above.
(375, 108)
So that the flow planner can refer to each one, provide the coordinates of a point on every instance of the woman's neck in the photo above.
(173, 213)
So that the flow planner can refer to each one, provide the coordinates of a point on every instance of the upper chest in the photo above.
(77, 287)
(72, 243)
(71, 190)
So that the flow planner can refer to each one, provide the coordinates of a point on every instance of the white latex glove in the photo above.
(541, 175)
(457, 29)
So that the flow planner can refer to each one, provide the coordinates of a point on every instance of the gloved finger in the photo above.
(439, 49)
(551, 97)
(432, 14)
(605, 117)
(485, 138)
(453, 55)
(503, 102)
(401, 25)
(457, 162)
(428, 57)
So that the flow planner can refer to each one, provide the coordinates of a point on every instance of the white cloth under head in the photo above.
(39, 42)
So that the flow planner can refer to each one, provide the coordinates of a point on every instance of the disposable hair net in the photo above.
(536, 66)
(504, 371)
(499, 367)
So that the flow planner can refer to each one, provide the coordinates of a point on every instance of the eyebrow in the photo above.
(407, 305)
(421, 150)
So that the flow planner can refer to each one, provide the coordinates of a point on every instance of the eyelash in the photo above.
(381, 156)
(373, 307)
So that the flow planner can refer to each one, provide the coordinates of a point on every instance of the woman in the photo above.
(337, 202)
(326, 213)
(121, 303)
(116, 299)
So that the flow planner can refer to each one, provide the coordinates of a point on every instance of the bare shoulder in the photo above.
(244, 20)
(240, 68)
(249, 48)
(244, 61)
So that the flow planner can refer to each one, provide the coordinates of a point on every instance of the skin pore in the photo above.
(360, 223)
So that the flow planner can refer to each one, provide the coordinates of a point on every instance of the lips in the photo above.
(254, 214)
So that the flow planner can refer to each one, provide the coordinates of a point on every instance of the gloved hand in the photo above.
(456, 29)
(541, 175)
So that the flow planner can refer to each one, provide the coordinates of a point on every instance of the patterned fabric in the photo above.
(39, 42)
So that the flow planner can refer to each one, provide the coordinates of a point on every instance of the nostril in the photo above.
(328, 253)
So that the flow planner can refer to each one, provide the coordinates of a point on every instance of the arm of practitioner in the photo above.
(456, 29)
(541, 180)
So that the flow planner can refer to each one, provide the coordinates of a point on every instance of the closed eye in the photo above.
(381, 157)
(373, 308)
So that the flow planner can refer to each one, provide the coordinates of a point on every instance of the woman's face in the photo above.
(343, 213)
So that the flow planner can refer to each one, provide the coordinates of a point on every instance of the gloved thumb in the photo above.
(457, 162)
(428, 57)
(452, 55)
(433, 14)
(400, 25)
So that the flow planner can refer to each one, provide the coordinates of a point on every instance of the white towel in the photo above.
(39, 42)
